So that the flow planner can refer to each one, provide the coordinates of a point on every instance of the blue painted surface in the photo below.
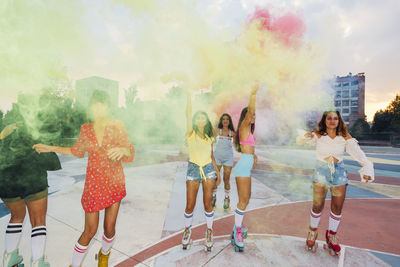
(380, 156)
(382, 166)
(389, 259)
(299, 187)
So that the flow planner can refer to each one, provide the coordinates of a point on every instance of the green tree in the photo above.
(130, 96)
(359, 128)
(388, 120)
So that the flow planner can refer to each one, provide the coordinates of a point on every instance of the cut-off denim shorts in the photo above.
(322, 174)
(194, 173)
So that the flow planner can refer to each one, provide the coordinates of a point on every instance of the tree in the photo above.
(388, 120)
(1, 119)
(130, 96)
(359, 128)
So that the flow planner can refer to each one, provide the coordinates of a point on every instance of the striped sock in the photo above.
(188, 219)
(209, 219)
(314, 219)
(106, 244)
(78, 255)
(38, 241)
(13, 235)
(334, 221)
(239, 217)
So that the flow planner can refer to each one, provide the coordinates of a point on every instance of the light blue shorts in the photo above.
(193, 172)
(244, 165)
(322, 174)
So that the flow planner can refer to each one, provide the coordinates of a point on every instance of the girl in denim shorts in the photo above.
(201, 169)
(332, 140)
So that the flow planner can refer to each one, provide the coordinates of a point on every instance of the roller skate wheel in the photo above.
(208, 249)
(326, 246)
(236, 249)
(331, 252)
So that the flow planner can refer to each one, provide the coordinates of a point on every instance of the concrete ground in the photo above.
(150, 222)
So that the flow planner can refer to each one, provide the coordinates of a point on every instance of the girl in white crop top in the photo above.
(332, 140)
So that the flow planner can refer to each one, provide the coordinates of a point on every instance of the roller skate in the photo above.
(12, 259)
(209, 240)
(332, 243)
(237, 239)
(103, 259)
(311, 244)
(186, 239)
(40, 263)
(227, 204)
(213, 202)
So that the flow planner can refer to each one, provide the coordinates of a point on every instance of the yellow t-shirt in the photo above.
(199, 149)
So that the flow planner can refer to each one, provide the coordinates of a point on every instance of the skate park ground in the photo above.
(150, 222)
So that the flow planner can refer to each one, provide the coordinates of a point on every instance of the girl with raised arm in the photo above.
(332, 140)
(107, 144)
(201, 169)
(244, 143)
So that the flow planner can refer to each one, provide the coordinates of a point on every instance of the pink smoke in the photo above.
(289, 27)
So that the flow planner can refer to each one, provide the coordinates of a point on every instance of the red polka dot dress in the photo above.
(105, 179)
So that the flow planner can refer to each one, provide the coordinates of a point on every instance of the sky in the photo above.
(354, 36)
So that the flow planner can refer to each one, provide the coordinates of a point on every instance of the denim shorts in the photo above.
(193, 172)
(244, 165)
(322, 174)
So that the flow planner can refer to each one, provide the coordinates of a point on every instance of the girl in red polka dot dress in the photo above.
(107, 144)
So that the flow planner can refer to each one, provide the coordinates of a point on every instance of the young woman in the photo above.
(244, 142)
(107, 144)
(223, 153)
(201, 169)
(23, 184)
(332, 140)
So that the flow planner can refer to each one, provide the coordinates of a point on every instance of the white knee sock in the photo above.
(38, 241)
(239, 217)
(13, 235)
(78, 254)
(314, 219)
(209, 219)
(334, 221)
(106, 244)
(188, 219)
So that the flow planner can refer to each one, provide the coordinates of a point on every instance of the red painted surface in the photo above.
(366, 223)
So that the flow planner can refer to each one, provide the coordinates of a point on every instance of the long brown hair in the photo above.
(230, 126)
(237, 139)
(341, 129)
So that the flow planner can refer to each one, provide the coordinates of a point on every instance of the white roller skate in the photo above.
(12, 259)
(40, 263)
(209, 240)
(311, 244)
(186, 239)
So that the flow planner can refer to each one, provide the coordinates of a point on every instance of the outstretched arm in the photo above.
(189, 126)
(367, 170)
(41, 148)
(251, 108)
